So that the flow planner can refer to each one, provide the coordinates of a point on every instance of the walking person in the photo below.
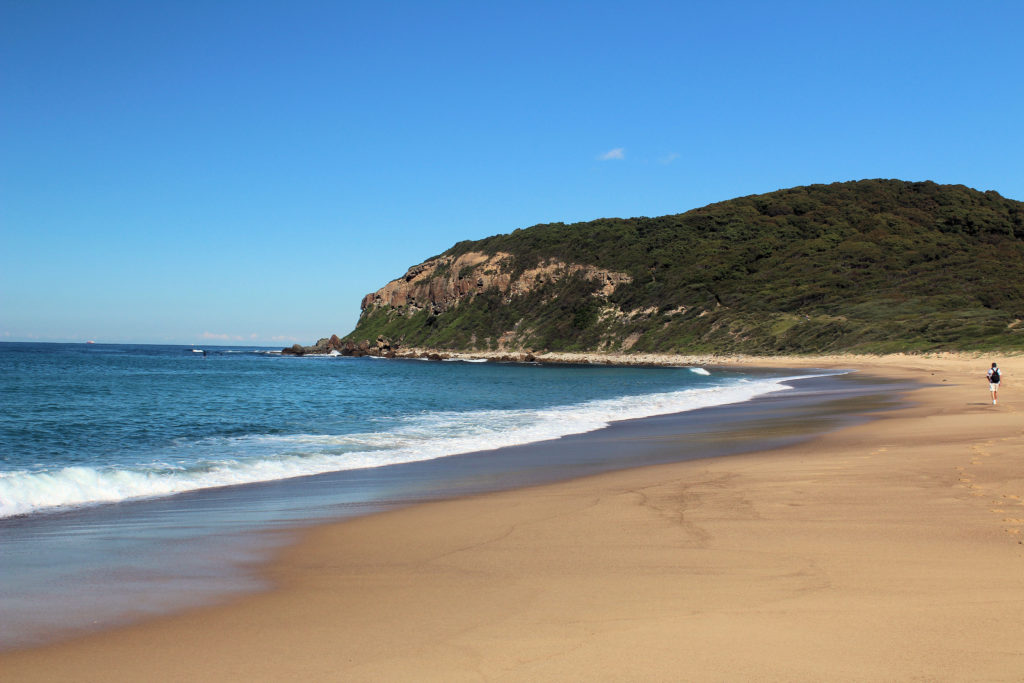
(994, 378)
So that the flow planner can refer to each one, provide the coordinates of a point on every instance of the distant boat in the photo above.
(90, 342)
(197, 351)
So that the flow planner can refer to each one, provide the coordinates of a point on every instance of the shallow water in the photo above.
(106, 423)
(74, 568)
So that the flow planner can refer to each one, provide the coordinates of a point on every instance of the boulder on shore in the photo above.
(381, 347)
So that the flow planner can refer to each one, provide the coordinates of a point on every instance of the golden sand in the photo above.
(887, 551)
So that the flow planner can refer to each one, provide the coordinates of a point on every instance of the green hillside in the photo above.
(870, 266)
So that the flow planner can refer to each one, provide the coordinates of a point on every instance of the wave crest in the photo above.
(226, 461)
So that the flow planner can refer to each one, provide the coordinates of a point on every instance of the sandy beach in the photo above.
(891, 550)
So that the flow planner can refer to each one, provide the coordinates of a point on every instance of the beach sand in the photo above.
(891, 550)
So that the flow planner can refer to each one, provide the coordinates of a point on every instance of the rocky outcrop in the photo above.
(334, 346)
(443, 282)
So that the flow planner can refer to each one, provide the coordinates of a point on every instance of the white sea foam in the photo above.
(240, 460)
(699, 371)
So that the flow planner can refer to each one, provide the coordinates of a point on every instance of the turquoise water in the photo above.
(90, 424)
(137, 480)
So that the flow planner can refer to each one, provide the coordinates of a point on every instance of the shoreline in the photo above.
(55, 566)
(210, 573)
(558, 580)
(727, 360)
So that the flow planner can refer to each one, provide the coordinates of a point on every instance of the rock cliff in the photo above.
(441, 283)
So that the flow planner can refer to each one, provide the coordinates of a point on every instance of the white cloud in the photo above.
(254, 338)
(617, 153)
(668, 158)
(221, 337)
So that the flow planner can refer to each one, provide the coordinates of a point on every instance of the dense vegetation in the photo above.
(873, 265)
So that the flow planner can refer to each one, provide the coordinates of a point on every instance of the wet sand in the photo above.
(889, 550)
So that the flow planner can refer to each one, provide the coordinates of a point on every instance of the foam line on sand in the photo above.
(890, 550)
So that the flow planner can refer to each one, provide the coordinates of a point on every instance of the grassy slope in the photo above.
(874, 265)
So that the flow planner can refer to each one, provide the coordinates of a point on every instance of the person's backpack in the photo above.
(994, 377)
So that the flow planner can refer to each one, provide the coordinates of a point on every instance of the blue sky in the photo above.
(244, 172)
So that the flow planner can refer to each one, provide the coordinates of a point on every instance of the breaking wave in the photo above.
(227, 461)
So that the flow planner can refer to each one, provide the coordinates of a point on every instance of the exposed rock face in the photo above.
(441, 283)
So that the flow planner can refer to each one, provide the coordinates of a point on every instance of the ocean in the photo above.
(137, 480)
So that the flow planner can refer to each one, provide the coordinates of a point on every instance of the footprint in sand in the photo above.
(1011, 496)
(1015, 532)
(1011, 520)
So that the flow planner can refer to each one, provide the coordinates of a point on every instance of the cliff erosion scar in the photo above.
(441, 283)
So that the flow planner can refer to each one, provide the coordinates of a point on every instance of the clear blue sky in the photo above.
(194, 171)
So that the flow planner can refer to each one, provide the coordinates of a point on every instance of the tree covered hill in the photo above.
(870, 266)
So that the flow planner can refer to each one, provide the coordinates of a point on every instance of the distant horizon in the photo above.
(109, 343)
(247, 172)
(201, 342)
